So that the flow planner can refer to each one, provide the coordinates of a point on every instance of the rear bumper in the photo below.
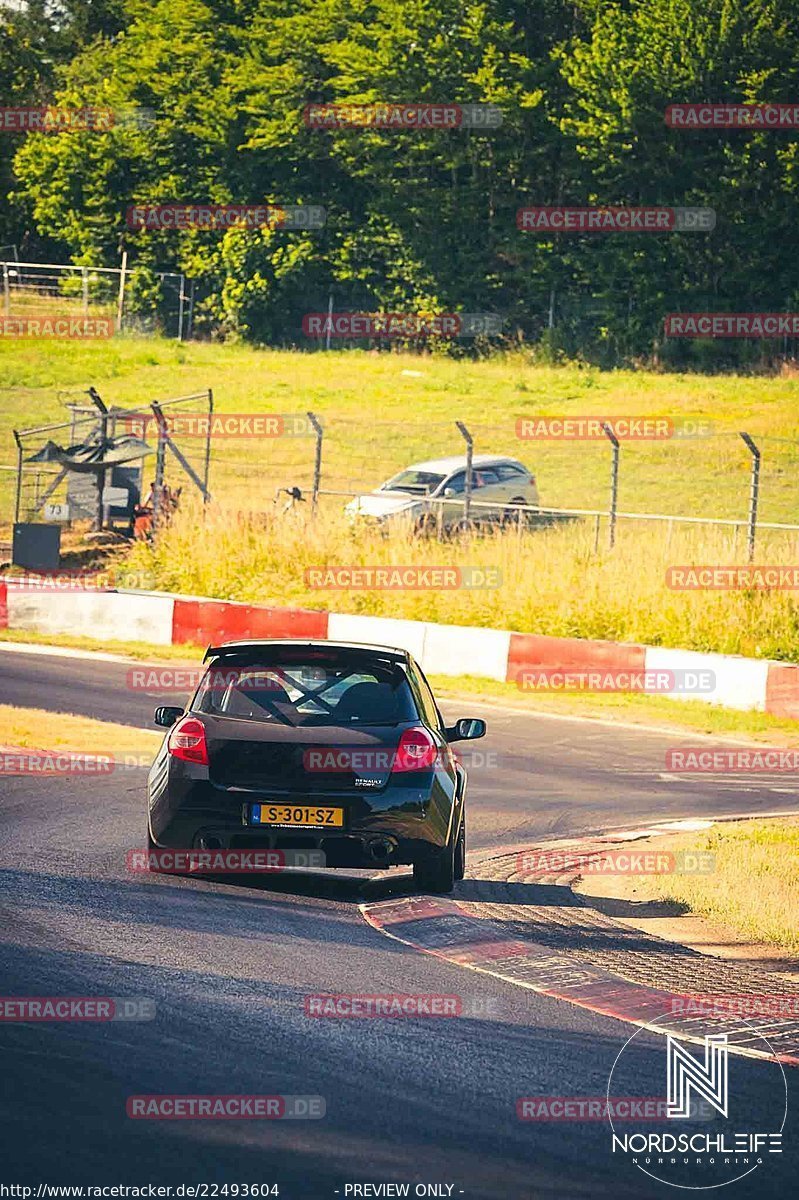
(396, 826)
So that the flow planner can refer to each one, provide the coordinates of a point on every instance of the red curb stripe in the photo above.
(414, 910)
(531, 651)
(3, 605)
(782, 690)
(202, 621)
(476, 952)
(560, 978)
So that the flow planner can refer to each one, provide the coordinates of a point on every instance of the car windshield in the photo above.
(418, 483)
(307, 693)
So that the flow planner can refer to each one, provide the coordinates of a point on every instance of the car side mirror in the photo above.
(166, 715)
(449, 493)
(466, 730)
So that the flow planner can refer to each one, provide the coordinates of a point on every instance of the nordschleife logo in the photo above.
(723, 1113)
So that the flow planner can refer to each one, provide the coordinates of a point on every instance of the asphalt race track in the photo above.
(423, 1100)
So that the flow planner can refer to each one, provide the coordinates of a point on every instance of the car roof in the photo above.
(445, 465)
(224, 648)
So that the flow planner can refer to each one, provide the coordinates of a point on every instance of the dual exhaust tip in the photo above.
(379, 849)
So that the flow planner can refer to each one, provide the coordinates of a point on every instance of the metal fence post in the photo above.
(160, 455)
(121, 294)
(190, 318)
(317, 465)
(181, 301)
(18, 499)
(614, 483)
(754, 491)
(467, 495)
(103, 474)
(6, 291)
(207, 458)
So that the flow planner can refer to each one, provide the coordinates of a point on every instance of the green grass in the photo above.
(384, 410)
(754, 887)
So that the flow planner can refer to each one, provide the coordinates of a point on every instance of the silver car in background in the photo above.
(428, 492)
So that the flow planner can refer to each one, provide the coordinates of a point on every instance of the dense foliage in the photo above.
(419, 220)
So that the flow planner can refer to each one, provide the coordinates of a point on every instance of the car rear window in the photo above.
(307, 693)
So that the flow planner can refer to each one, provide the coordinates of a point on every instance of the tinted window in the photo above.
(307, 694)
(429, 707)
(484, 477)
(417, 482)
(481, 477)
(508, 471)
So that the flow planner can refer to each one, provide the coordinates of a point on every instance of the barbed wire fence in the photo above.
(318, 463)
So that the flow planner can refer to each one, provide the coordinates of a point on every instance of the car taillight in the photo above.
(416, 751)
(187, 741)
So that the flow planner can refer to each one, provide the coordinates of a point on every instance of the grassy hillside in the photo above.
(382, 411)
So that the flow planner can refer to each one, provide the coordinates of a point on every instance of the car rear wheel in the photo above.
(436, 873)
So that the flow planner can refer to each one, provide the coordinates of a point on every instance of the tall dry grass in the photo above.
(754, 887)
(552, 580)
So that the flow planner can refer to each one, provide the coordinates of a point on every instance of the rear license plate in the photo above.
(309, 816)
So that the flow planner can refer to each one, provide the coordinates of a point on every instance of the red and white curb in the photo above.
(164, 619)
(446, 929)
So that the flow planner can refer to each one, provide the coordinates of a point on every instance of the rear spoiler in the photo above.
(232, 648)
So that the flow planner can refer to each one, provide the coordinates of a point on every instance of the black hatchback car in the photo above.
(314, 745)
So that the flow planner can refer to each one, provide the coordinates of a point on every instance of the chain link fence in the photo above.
(741, 483)
(698, 476)
(127, 300)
